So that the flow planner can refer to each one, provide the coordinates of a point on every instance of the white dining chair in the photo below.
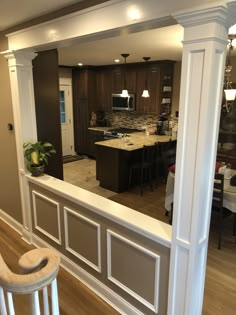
(39, 270)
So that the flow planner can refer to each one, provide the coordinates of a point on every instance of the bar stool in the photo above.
(143, 168)
(40, 268)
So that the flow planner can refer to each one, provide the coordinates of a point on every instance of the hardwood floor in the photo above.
(74, 297)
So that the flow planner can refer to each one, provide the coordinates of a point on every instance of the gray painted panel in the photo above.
(83, 238)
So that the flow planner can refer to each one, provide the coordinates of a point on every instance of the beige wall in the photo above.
(9, 183)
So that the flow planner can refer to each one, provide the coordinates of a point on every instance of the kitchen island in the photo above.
(113, 158)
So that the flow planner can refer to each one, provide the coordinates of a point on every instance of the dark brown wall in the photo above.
(9, 182)
(46, 91)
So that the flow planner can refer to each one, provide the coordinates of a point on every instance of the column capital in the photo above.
(207, 22)
(19, 58)
(202, 15)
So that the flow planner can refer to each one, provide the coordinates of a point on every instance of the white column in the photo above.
(203, 60)
(22, 92)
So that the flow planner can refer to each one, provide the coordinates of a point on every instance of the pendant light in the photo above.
(145, 91)
(230, 93)
(125, 91)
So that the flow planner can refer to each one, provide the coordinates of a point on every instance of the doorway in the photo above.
(66, 117)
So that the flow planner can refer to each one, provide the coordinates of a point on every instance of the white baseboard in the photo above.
(112, 298)
(15, 225)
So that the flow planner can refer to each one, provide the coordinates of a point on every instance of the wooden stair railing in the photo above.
(39, 270)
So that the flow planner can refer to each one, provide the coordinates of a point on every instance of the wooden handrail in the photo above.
(39, 266)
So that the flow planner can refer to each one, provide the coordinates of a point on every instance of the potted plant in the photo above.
(36, 155)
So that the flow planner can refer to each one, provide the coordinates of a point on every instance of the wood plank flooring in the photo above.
(74, 297)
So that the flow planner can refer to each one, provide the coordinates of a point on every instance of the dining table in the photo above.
(229, 199)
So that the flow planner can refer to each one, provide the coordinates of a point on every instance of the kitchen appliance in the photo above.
(123, 103)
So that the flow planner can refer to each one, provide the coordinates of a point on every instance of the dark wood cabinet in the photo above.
(93, 88)
(84, 102)
(120, 75)
(93, 137)
(152, 103)
(104, 90)
(117, 80)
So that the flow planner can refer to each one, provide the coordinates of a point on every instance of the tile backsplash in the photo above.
(130, 119)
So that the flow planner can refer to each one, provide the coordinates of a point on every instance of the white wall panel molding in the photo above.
(108, 295)
(203, 60)
(36, 194)
(97, 267)
(156, 260)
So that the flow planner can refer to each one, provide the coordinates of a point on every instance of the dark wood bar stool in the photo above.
(166, 158)
(217, 204)
(143, 169)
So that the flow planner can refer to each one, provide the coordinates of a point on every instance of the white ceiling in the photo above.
(13, 12)
(159, 44)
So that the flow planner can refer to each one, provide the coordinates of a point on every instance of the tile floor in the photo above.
(82, 173)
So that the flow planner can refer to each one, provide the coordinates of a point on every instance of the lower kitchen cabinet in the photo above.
(94, 136)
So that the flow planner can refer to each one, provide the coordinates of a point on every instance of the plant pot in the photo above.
(37, 170)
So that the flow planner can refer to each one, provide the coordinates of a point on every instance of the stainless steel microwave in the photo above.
(123, 103)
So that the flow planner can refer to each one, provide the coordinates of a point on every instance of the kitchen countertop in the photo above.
(134, 141)
(99, 128)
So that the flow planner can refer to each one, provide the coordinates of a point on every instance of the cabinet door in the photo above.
(117, 80)
(104, 90)
(131, 80)
(150, 104)
(141, 102)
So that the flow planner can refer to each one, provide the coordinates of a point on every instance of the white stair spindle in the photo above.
(10, 303)
(45, 301)
(3, 309)
(55, 304)
(39, 269)
(35, 308)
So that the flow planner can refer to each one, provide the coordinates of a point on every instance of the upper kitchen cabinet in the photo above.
(119, 74)
(84, 102)
(148, 104)
(104, 90)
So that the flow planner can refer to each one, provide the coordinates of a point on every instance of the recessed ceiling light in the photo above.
(80, 64)
(134, 13)
(117, 60)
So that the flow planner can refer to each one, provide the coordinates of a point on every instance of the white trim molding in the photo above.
(152, 306)
(97, 267)
(108, 295)
(37, 227)
(21, 79)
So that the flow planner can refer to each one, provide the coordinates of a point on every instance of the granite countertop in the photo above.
(99, 128)
(134, 141)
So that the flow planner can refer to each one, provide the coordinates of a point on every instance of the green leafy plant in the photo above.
(37, 153)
